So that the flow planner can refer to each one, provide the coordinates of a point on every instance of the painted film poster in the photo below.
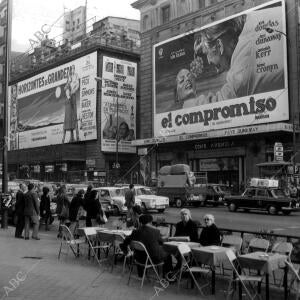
(118, 90)
(55, 107)
(227, 74)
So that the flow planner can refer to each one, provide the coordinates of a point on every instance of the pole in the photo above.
(117, 138)
(294, 148)
(5, 106)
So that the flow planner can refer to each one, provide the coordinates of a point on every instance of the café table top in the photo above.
(177, 243)
(210, 255)
(266, 262)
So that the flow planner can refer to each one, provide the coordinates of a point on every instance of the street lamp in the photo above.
(271, 30)
(100, 79)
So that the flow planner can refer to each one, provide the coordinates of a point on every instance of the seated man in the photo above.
(151, 239)
(187, 227)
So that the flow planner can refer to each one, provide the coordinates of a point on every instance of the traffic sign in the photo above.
(278, 152)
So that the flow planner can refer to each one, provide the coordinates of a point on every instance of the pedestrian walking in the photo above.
(87, 193)
(129, 203)
(19, 209)
(31, 212)
(76, 210)
(94, 213)
(45, 207)
(62, 209)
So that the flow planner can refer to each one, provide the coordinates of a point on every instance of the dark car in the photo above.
(272, 200)
(214, 194)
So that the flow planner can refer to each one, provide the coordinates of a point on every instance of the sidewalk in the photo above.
(30, 270)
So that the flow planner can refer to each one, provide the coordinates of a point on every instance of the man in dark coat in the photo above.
(129, 203)
(19, 210)
(31, 212)
(187, 227)
(150, 237)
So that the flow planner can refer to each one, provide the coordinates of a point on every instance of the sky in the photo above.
(28, 16)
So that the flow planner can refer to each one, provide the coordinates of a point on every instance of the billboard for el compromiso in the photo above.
(54, 107)
(227, 74)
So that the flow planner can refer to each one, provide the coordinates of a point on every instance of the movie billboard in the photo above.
(54, 107)
(227, 74)
(118, 105)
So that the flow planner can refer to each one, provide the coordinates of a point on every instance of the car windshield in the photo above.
(276, 193)
(143, 191)
(117, 193)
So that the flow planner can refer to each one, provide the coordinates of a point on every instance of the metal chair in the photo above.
(295, 281)
(284, 248)
(140, 247)
(185, 251)
(258, 244)
(242, 278)
(119, 238)
(90, 234)
(69, 241)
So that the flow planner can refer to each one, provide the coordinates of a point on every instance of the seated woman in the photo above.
(210, 234)
(187, 227)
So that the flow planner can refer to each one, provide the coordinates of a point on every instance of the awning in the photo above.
(220, 133)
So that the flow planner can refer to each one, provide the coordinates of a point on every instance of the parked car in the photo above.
(116, 198)
(270, 199)
(149, 200)
(213, 194)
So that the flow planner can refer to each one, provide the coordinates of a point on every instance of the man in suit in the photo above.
(31, 212)
(19, 209)
(150, 237)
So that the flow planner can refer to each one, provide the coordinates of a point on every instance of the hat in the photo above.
(145, 219)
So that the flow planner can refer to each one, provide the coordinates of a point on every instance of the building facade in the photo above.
(219, 86)
(64, 125)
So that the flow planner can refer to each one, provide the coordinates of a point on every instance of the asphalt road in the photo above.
(252, 221)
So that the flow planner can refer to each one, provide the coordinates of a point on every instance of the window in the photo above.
(261, 193)
(165, 12)
(145, 22)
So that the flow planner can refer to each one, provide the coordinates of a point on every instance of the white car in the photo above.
(116, 196)
(149, 200)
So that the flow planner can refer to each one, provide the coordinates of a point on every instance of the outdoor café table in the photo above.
(212, 256)
(123, 232)
(267, 263)
(172, 246)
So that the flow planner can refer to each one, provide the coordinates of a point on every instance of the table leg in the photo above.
(267, 286)
(285, 282)
(213, 281)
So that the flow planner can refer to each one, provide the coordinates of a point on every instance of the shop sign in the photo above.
(219, 164)
(214, 145)
(101, 174)
(36, 168)
(90, 164)
(49, 168)
(278, 152)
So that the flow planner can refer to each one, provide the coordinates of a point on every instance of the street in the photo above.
(280, 224)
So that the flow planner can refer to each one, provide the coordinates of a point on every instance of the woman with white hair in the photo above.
(210, 234)
(187, 227)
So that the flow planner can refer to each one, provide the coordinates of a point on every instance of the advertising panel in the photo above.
(227, 74)
(118, 105)
(54, 107)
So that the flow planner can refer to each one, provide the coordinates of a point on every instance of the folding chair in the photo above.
(140, 247)
(235, 243)
(258, 244)
(90, 234)
(69, 241)
(242, 278)
(185, 251)
(284, 248)
(119, 238)
(295, 281)
(106, 243)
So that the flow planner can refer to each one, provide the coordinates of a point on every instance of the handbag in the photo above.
(101, 218)
(81, 214)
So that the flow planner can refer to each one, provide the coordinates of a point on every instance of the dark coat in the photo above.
(45, 206)
(151, 238)
(20, 203)
(61, 200)
(76, 202)
(129, 199)
(210, 236)
(187, 229)
(93, 208)
(32, 207)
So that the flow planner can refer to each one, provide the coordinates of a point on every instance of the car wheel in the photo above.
(286, 212)
(232, 207)
(272, 210)
(161, 211)
(178, 203)
(144, 208)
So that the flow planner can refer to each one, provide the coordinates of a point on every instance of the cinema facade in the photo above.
(62, 123)
(222, 122)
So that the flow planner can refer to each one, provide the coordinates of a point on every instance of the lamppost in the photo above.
(100, 79)
(271, 30)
